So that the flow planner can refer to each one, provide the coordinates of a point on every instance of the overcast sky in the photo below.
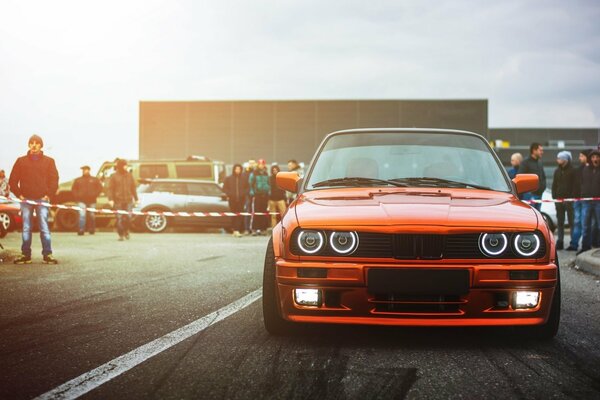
(75, 71)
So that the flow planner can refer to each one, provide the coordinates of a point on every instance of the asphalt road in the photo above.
(108, 299)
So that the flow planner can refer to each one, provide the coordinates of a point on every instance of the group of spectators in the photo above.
(252, 189)
(570, 181)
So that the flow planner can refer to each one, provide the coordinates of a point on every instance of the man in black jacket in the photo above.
(577, 227)
(562, 188)
(86, 190)
(122, 195)
(590, 187)
(533, 165)
(34, 178)
(236, 188)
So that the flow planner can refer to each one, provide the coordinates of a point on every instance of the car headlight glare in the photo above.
(527, 244)
(310, 242)
(343, 242)
(493, 244)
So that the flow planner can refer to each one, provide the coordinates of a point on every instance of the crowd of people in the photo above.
(252, 189)
(569, 182)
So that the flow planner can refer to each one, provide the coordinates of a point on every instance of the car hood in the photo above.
(413, 206)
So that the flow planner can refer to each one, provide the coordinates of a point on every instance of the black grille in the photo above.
(417, 246)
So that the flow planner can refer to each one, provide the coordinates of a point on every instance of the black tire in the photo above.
(550, 328)
(67, 220)
(274, 322)
(156, 223)
(548, 220)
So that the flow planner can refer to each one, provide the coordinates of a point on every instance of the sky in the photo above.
(74, 72)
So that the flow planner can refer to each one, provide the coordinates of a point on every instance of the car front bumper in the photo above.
(346, 297)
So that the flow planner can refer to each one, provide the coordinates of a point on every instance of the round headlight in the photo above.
(343, 242)
(527, 244)
(493, 244)
(310, 242)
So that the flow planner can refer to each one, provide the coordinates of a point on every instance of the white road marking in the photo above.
(90, 380)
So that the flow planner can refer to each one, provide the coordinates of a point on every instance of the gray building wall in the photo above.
(235, 131)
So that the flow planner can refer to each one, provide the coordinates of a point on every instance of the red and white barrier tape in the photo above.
(562, 200)
(135, 212)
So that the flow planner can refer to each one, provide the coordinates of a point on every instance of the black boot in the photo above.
(559, 245)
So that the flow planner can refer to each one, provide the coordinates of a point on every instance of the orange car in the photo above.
(410, 227)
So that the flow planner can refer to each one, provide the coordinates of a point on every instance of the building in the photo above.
(278, 130)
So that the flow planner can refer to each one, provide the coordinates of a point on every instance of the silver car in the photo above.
(181, 195)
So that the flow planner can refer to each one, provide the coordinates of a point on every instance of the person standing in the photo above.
(533, 165)
(259, 191)
(590, 187)
(86, 190)
(236, 189)
(122, 195)
(34, 177)
(277, 198)
(562, 188)
(515, 162)
(4, 187)
(249, 168)
(576, 228)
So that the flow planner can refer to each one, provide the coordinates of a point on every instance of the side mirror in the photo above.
(287, 181)
(526, 182)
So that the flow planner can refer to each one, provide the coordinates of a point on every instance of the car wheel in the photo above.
(67, 220)
(156, 223)
(5, 221)
(550, 328)
(274, 322)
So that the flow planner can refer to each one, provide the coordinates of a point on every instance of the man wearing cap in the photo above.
(34, 178)
(590, 187)
(122, 195)
(562, 187)
(86, 190)
(577, 227)
(533, 165)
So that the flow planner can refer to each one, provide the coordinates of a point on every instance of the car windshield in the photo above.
(414, 159)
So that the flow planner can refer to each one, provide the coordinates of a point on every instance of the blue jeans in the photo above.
(577, 224)
(88, 217)
(590, 209)
(123, 220)
(531, 196)
(42, 217)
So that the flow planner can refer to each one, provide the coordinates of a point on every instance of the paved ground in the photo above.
(107, 298)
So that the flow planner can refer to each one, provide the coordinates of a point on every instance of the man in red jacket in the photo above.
(34, 177)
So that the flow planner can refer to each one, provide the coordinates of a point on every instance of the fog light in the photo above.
(308, 297)
(526, 299)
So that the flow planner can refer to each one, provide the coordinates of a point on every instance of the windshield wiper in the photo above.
(437, 182)
(357, 181)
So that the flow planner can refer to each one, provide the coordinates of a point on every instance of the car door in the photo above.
(207, 197)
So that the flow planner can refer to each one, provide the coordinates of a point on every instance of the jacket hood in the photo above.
(452, 208)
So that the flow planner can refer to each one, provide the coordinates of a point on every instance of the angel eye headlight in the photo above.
(493, 244)
(527, 244)
(343, 242)
(310, 242)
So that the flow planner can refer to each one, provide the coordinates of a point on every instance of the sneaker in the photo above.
(79, 233)
(92, 232)
(571, 248)
(237, 234)
(49, 259)
(23, 259)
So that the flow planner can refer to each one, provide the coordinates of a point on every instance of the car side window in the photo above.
(204, 189)
(169, 187)
(149, 171)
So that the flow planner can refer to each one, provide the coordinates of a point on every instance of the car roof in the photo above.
(405, 130)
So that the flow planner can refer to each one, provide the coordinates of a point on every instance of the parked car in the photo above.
(194, 167)
(410, 227)
(10, 216)
(178, 195)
